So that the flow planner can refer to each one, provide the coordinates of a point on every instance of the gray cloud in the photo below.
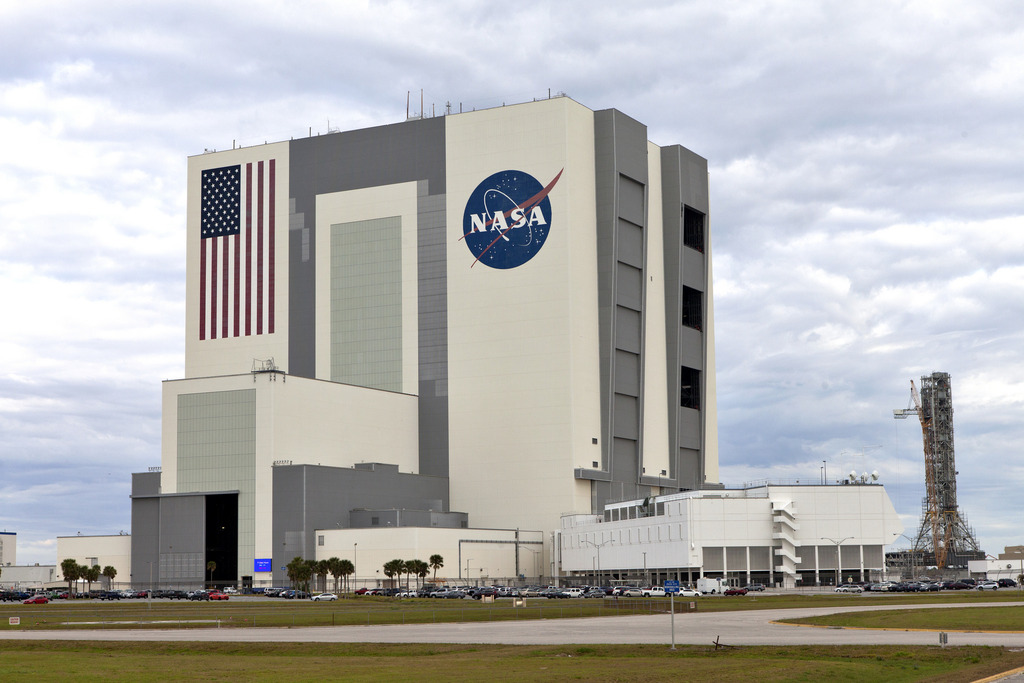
(866, 209)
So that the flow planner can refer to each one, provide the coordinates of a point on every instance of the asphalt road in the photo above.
(729, 628)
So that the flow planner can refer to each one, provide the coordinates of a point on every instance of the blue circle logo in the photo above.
(507, 219)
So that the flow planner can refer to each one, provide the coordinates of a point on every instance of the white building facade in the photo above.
(777, 535)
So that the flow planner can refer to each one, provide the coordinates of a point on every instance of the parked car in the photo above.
(36, 600)
(1007, 583)
(689, 593)
(621, 590)
(735, 591)
(755, 587)
(218, 595)
(987, 586)
(631, 592)
(109, 595)
(324, 597)
(176, 595)
(653, 592)
(198, 595)
(849, 588)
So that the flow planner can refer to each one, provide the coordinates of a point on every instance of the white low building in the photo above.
(776, 535)
(106, 551)
(471, 556)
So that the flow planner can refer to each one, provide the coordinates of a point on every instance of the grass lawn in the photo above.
(144, 661)
(966, 619)
(274, 612)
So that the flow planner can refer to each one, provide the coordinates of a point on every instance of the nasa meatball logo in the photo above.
(507, 219)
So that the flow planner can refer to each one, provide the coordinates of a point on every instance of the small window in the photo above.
(374, 521)
(319, 540)
(692, 308)
(693, 229)
(689, 388)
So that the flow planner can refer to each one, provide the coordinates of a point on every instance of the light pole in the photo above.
(913, 557)
(535, 553)
(645, 570)
(838, 563)
(598, 546)
(355, 576)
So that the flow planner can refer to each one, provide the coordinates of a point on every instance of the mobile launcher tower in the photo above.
(943, 538)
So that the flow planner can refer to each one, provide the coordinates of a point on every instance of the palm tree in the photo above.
(334, 569)
(347, 569)
(109, 572)
(436, 562)
(90, 575)
(322, 570)
(294, 569)
(409, 566)
(422, 569)
(393, 568)
(71, 571)
(211, 567)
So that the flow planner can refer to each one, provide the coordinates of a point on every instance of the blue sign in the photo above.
(507, 219)
(262, 565)
(671, 586)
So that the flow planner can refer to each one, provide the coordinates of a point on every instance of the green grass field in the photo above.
(153, 661)
(274, 612)
(96, 661)
(967, 619)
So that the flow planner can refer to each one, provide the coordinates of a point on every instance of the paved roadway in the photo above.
(731, 628)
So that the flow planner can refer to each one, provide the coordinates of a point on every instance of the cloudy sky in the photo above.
(866, 165)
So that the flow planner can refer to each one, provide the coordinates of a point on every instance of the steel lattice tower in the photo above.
(942, 531)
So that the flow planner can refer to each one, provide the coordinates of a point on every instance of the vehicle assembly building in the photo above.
(483, 320)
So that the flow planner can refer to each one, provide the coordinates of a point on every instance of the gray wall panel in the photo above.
(405, 152)
(684, 183)
(620, 147)
(311, 497)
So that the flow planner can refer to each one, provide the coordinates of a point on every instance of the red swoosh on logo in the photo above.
(527, 205)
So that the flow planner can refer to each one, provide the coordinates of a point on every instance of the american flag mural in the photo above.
(236, 260)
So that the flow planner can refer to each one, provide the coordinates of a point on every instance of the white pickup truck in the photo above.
(653, 592)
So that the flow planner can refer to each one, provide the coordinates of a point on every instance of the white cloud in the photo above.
(866, 206)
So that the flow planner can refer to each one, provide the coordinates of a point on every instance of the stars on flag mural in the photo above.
(236, 259)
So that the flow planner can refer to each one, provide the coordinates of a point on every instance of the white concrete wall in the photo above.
(115, 551)
(8, 549)
(304, 421)
(862, 515)
(361, 205)
(656, 454)
(369, 549)
(523, 353)
(233, 355)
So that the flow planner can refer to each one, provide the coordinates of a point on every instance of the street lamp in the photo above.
(913, 557)
(598, 546)
(838, 543)
(355, 576)
(535, 553)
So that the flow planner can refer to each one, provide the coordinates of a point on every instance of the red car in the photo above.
(217, 595)
(36, 600)
(735, 591)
